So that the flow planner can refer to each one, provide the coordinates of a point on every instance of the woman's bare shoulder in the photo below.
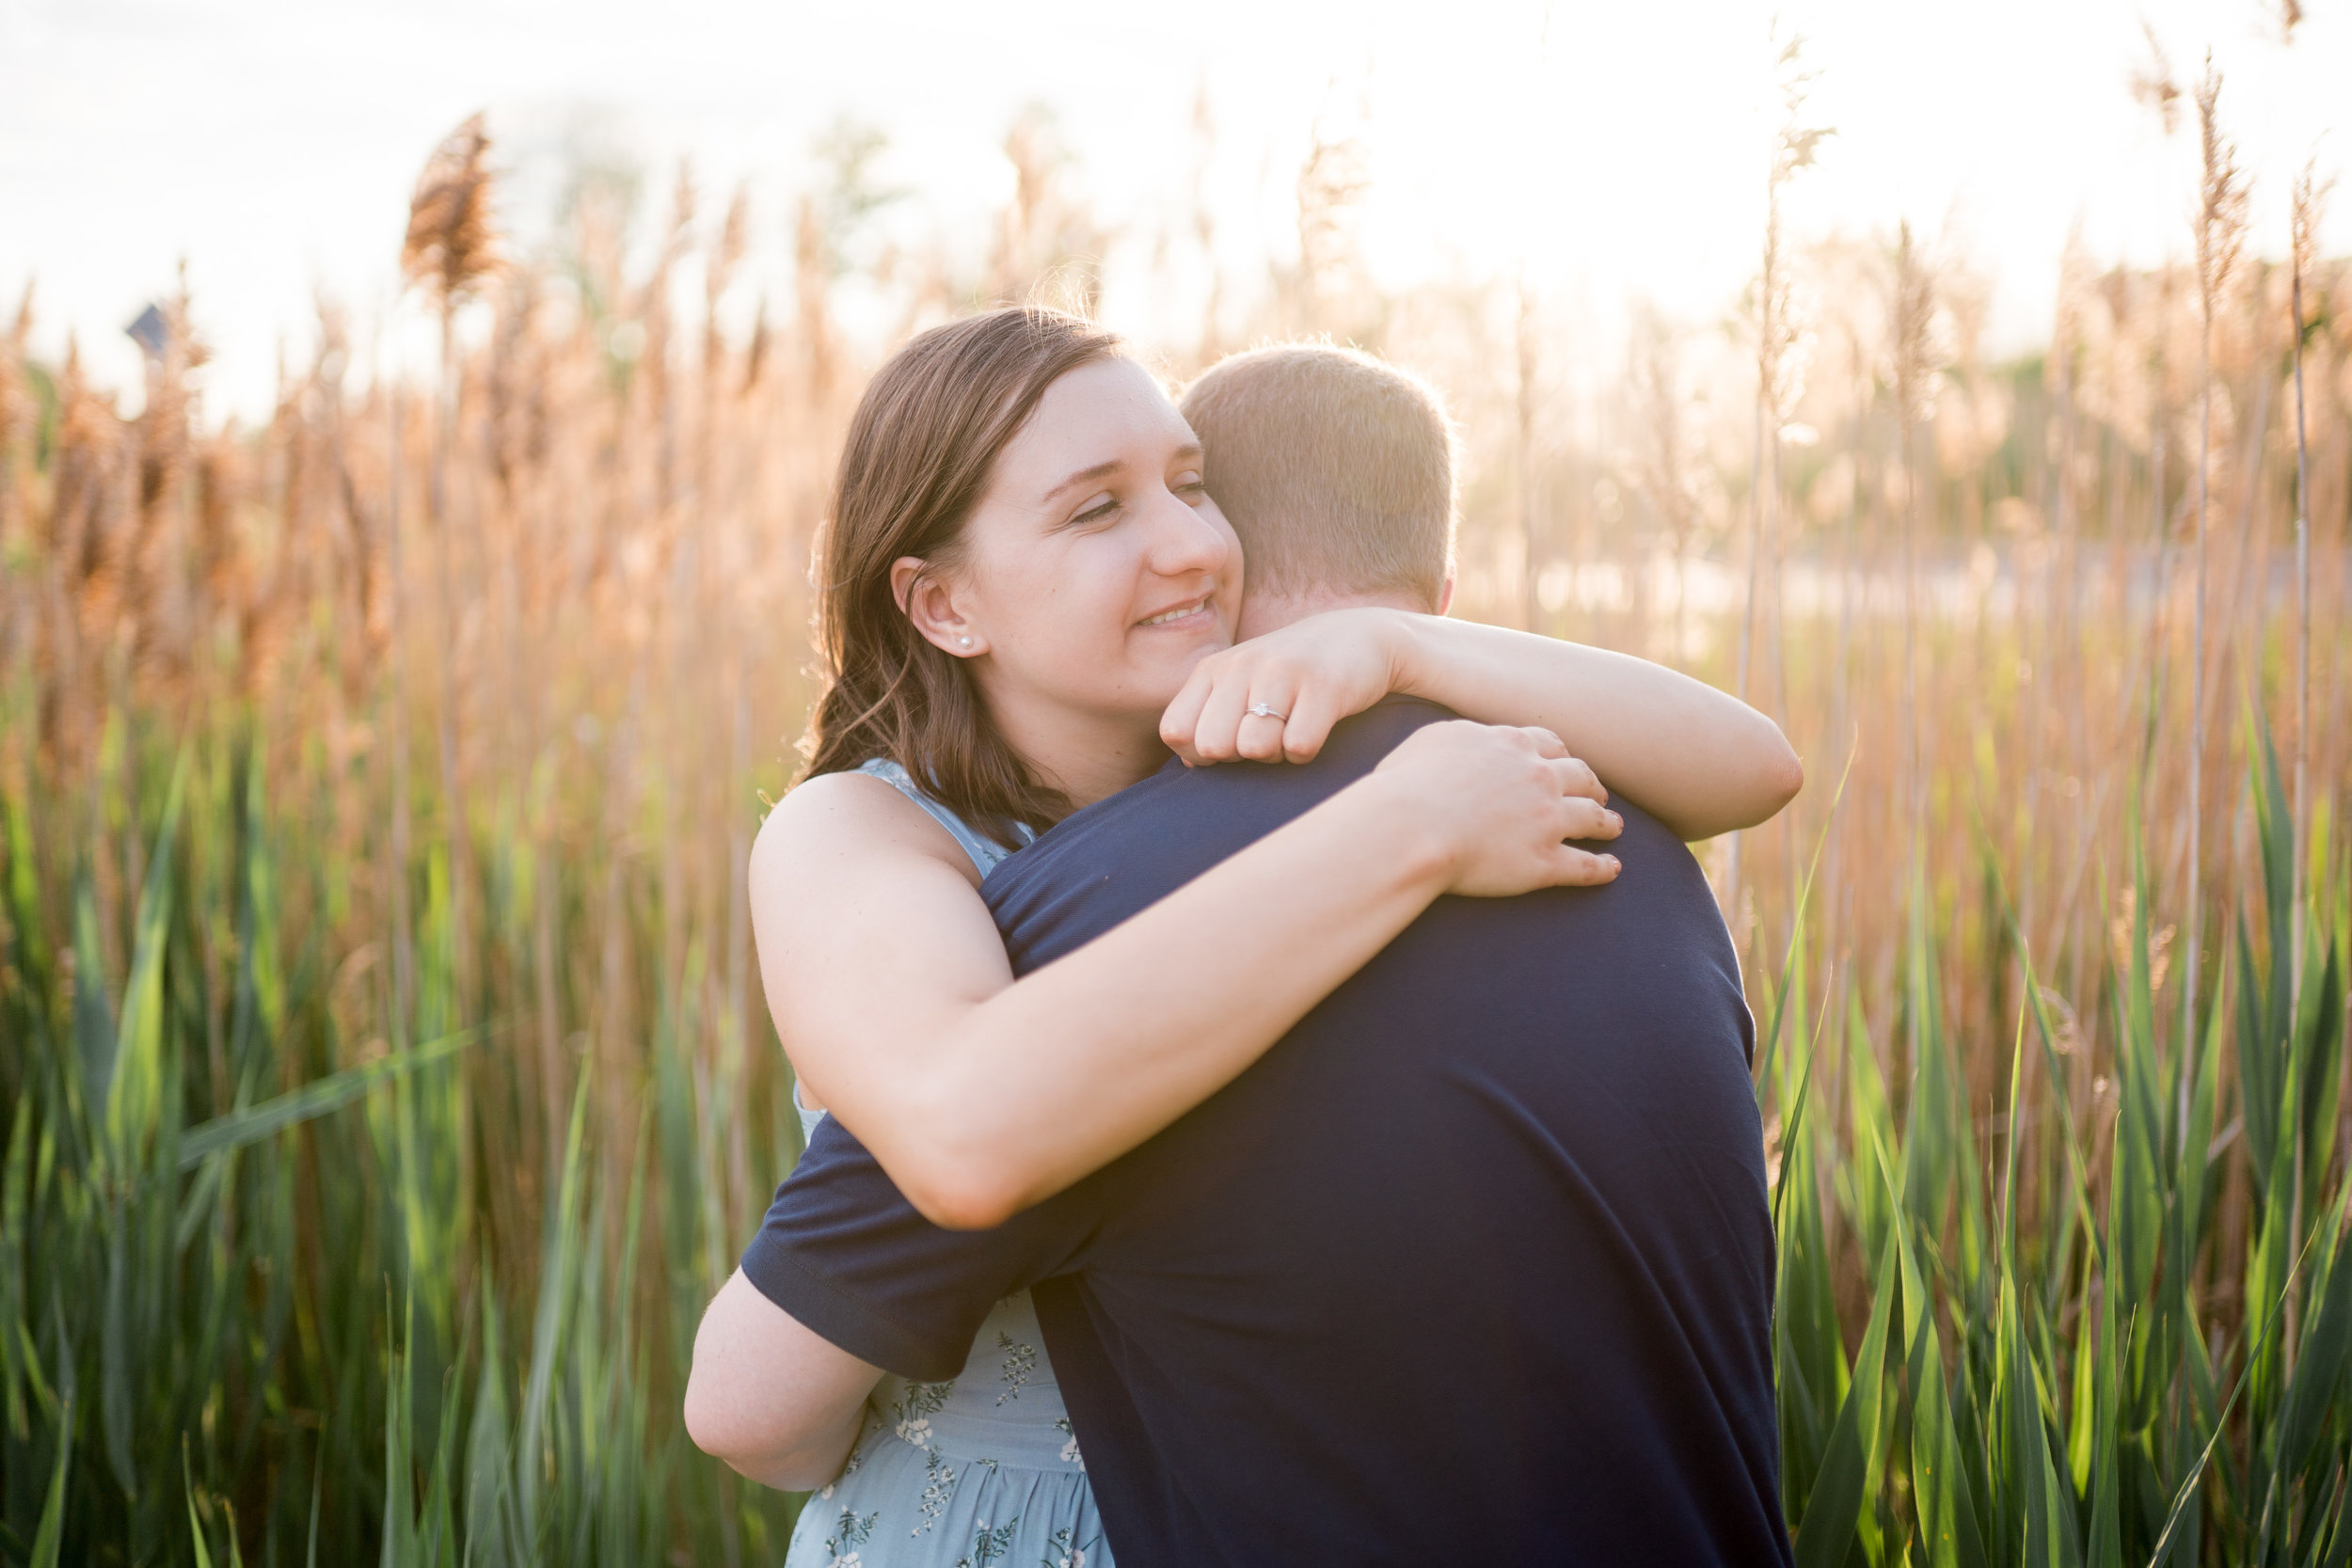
(842, 823)
(865, 909)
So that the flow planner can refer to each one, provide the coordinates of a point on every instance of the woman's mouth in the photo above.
(1178, 612)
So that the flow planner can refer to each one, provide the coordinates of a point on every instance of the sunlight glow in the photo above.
(1606, 153)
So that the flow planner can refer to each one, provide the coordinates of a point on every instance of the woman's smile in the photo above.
(1191, 615)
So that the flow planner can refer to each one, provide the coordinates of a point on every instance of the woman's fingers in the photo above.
(1264, 726)
(1586, 819)
(1181, 721)
(1573, 868)
(1235, 706)
(1508, 806)
(1311, 716)
(1575, 781)
(1575, 776)
(1546, 743)
(1244, 708)
(1217, 736)
(1260, 739)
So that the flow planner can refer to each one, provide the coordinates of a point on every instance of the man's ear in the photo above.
(1445, 594)
(929, 601)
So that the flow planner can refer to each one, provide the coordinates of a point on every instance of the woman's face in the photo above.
(1096, 571)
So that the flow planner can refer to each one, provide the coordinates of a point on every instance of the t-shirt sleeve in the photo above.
(852, 1261)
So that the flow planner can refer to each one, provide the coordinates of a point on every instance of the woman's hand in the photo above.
(1503, 799)
(1699, 760)
(1276, 697)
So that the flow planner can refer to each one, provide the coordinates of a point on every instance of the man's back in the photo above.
(1476, 1262)
(1477, 1258)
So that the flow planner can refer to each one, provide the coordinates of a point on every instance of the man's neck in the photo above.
(1264, 612)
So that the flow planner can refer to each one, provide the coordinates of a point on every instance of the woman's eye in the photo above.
(1189, 484)
(1098, 512)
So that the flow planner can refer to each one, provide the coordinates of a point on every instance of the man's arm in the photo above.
(778, 1402)
(845, 1279)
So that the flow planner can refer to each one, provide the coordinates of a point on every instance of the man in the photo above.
(1476, 1262)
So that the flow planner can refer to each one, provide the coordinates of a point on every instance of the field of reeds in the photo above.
(383, 1079)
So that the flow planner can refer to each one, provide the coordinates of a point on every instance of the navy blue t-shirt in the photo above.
(1474, 1265)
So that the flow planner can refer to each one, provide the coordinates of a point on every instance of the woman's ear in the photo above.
(929, 600)
(1445, 594)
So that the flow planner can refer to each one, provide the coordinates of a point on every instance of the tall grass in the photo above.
(278, 1287)
(378, 1117)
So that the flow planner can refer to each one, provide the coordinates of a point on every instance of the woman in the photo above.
(1028, 597)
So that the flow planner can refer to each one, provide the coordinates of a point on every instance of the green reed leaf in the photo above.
(1826, 1531)
(134, 1089)
(243, 1128)
(49, 1538)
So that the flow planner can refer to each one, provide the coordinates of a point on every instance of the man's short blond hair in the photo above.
(1335, 468)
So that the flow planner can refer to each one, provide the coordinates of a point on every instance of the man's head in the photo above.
(1337, 471)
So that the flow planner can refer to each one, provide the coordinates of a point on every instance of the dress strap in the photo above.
(808, 1119)
(986, 852)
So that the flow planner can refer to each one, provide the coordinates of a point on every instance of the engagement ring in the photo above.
(1260, 710)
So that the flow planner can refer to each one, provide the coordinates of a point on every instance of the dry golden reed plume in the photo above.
(2151, 84)
(1914, 361)
(450, 245)
(17, 417)
(2304, 212)
(2220, 229)
(1779, 375)
(1914, 376)
(2309, 203)
(2223, 193)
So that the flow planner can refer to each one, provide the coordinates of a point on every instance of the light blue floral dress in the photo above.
(980, 1470)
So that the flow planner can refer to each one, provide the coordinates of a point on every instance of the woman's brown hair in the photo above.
(920, 450)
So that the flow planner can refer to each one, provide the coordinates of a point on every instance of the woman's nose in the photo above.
(1186, 540)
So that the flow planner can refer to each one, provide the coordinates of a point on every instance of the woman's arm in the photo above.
(1699, 760)
(981, 1095)
(778, 1401)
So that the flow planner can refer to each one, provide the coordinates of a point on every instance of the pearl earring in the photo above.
(965, 640)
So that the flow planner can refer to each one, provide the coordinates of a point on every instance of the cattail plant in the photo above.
(1663, 465)
(2151, 84)
(16, 423)
(1524, 339)
(2159, 374)
(1320, 290)
(2050, 637)
(2303, 252)
(1912, 378)
(1778, 369)
(2220, 229)
(449, 250)
(1778, 331)
(1202, 221)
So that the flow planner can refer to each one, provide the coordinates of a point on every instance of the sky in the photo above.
(1604, 151)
